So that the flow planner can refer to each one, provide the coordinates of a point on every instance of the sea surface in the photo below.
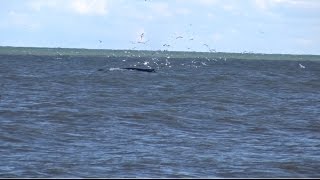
(85, 117)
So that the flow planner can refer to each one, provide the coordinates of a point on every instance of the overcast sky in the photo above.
(261, 26)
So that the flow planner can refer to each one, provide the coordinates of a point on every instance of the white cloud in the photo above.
(300, 3)
(90, 7)
(207, 2)
(144, 12)
(261, 4)
(84, 7)
(230, 6)
(39, 5)
(267, 4)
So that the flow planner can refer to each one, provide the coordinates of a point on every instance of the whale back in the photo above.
(140, 69)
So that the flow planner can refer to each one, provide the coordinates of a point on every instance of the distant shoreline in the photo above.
(43, 51)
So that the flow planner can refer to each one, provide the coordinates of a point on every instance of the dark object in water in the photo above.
(140, 69)
(135, 69)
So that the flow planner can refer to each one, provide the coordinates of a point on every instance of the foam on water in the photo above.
(115, 69)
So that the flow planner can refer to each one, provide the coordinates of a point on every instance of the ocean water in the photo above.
(84, 117)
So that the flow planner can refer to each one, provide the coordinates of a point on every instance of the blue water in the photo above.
(62, 118)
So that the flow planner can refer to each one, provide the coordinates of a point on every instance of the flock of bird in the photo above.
(143, 41)
(166, 45)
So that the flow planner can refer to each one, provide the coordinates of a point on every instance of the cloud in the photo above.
(83, 7)
(38, 5)
(90, 7)
(301, 4)
(207, 2)
(298, 3)
(261, 4)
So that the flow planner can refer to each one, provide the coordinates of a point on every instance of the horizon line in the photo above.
(217, 52)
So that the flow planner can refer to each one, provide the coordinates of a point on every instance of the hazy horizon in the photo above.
(159, 50)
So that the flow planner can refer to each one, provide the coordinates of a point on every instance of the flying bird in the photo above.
(142, 42)
(141, 36)
(212, 50)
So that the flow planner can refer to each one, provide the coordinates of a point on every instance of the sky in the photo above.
(254, 26)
